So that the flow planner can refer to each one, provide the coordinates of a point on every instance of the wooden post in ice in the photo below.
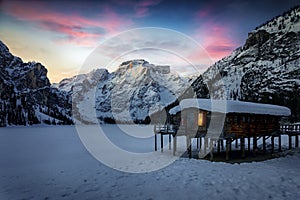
(297, 141)
(219, 146)
(169, 141)
(161, 142)
(189, 146)
(254, 145)
(222, 144)
(272, 143)
(243, 147)
(205, 145)
(249, 144)
(236, 143)
(200, 141)
(211, 149)
(155, 141)
(264, 144)
(279, 142)
(290, 141)
(228, 143)
(174, 145)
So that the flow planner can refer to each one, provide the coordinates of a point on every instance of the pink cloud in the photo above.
(142, 7)
(74, 28)
(215, 38)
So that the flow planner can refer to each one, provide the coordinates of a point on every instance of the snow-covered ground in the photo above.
(50, 162)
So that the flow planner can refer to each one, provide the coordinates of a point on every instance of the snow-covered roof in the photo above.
(230, 106)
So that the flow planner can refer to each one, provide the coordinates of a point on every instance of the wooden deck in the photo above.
(206, 144)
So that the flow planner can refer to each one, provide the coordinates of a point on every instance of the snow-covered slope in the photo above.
(26, 93)
(266, 69)
(127, 95)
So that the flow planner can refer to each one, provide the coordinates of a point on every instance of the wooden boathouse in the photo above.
(213, 121)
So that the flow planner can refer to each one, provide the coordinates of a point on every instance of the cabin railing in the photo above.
(290, 128)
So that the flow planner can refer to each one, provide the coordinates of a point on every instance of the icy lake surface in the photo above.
(52, 163)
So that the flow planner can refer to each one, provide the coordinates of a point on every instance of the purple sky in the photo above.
(61, 34)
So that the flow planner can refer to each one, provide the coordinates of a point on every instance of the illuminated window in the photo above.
(201, 119)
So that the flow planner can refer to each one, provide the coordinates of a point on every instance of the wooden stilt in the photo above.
(264, 144)
(161, 142)
(249, 144)
(174, 145)
(290, 141)
(222, 144)
(272, 143)
(228, 143)
(279, 142)
(155, 141)
(211, 150)
(190, 147)
(254, 145)
(197, 143)
(205, 145)
(236, 143)
(243, 147)
(219, 146)
(200, 141)
(297, 141)
(169, 141)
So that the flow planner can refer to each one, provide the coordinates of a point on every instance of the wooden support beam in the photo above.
(205, 145)
(272, 143)
(222, 144)
(211, 148)
(243, 147)
(264, 144)
(279, 142)
(297, 141)
(189, 146)
(169, 141)
(161, 142)
(197, 143)
(174, 145)
(219, 146)
(228, 144)
(236, 143)
(155, 141)
(200, 140)
(290, 141)
(254, 145)
(249, 144)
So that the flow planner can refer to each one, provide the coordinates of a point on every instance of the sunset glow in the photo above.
(61, 34)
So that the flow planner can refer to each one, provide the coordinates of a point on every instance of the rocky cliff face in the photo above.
(266, 69)
(26, 96)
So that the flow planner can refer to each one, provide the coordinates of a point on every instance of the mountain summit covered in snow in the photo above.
(265, 69)
(127, 95)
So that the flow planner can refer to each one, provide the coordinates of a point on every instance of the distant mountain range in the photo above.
(127, 95)
(265, 69)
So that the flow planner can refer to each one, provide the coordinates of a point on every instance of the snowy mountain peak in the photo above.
(129, 94)
(287, 22)
(144, 66)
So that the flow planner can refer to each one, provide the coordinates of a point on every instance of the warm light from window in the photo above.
(201, 119)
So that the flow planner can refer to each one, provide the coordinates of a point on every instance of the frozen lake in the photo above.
(52, 163)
